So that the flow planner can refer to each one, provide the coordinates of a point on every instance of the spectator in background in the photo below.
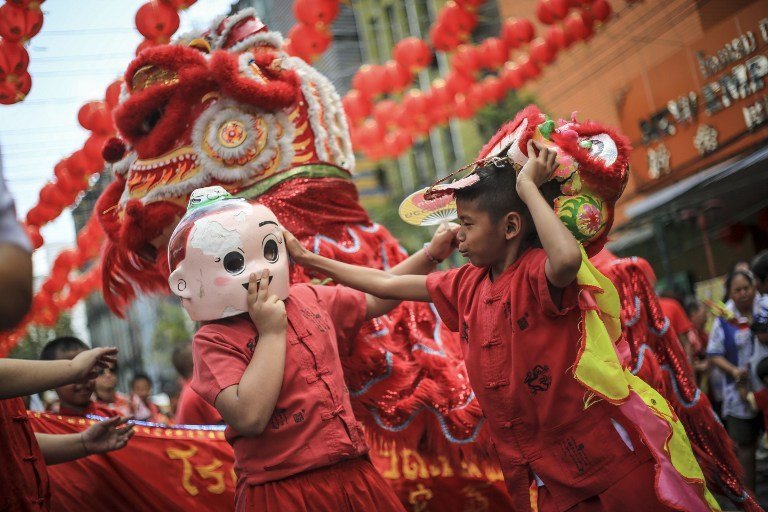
(732, 346)
(141, 406)
(760, 269)
(107, 394)
(742, 265)
(74, 399)
(192, 409)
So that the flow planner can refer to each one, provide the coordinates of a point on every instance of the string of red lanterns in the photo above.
(459, 93)
(20, 21)
(311, 36)
(156, 20)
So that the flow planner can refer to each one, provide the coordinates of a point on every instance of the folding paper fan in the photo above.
(417, 210)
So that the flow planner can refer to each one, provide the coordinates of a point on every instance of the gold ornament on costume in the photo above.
(232, 134)
(148, 76)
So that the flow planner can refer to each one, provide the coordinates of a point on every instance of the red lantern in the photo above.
(369, 80)
(528, 67)
(511, 76)
(100, 119)
(440, 95)
(93, 147)
(356, 106)
(157, 21)
(14, 59)
(457, 20)
(476, 97)
(544, 13)
(112, 97)
(541, 52)
(385, 112)
(179, 5)
(396, 77)
(458, 83)
(442, 38)
(308, 40)
(579, 25)
(414, 103)
(601, 10)
(462, 109)
(559, 8)
(412, 53)
(86, 113)
(555, 37)
(493, 89)
(78, 164)
(316, 12)
(465, 60)
(15, 88)
(369, 133)
(52, 196)
(493, 53)
(33, 232)
(20, 24)
(516, 31)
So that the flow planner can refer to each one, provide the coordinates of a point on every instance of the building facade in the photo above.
(685, 81)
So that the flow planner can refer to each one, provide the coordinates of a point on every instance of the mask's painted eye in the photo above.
(234, 262)
(270, 249)
(596, 147)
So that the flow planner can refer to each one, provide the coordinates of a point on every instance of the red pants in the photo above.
(349, 486)
(633, 493)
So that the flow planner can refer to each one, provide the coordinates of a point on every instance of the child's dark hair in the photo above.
(497, 194)
(140, 376)
(56, 346)
(761, 370)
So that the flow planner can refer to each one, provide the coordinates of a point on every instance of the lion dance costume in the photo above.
(231, 108)
(592, 173)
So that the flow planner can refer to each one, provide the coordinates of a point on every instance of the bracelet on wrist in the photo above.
(82, 440)
(429, 255)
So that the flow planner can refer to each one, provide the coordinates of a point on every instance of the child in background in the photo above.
(758, 400)
(267, 358)
(107, 394)
(142, 407)
(74, 399)
(516, 307)
(191, 409)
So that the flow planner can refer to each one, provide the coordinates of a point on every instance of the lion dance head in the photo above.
(227, 107)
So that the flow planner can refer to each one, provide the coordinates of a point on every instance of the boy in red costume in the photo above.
(267, 357)
(516, 307)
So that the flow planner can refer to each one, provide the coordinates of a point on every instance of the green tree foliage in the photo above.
(492, 117)
(173, 329)
(38, 335)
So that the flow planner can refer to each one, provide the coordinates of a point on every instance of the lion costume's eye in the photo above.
(603, 148)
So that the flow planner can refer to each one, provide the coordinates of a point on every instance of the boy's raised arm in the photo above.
(418, 264)
(563, 252)
(375, 282)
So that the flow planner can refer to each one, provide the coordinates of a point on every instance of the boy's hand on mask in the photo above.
(444, 240)
(87, 365)
(541, 164)
(267, 311)
(297, 251)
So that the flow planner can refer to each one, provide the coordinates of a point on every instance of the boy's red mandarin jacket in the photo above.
(313, 424)
(520, 347)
